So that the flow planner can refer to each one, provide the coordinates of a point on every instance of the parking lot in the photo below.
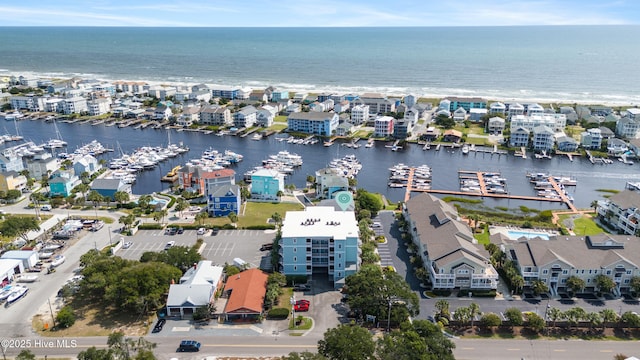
(221, 248)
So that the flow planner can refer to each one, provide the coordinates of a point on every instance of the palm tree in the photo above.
(201, 216)
(554, 315)
(474, 310)
(594, 319)
(539, 287)
(575, 284)
(518, 283)
(608, 316)
(443, 308)
(277, 218)
(594, 205)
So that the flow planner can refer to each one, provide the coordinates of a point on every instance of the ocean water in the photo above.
(593, 64)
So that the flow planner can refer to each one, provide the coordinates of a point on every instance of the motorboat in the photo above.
(16, 294)
(5, 292)
(45, 255)
(465, 149)
(58, 260)
(27, 278)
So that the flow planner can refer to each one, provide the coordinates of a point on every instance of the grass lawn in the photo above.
(258, 213)
(306, 324)
(586, 226)
(477, 140)
(482, 238)
(280, 119)
(278, 126)
(284, 298)
(385, 204)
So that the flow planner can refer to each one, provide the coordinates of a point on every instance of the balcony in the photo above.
(530, 274)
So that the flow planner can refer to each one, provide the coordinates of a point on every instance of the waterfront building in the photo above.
(557, 122)
(292, 108)
(554, 260)
(265, 115)
(26, 102)
(466, 103)
(86, 163)
(62, 182)
(99, 106)
(342, 106)
(329, 182)
(225, 93)
(519, 137)
(74, 105)
(40, 164)
(606, 133)
(633, 113)
(445, 104)
(108, 187)
(621, 212)
(300, 97)
(430, 134)
(514, 109)
(344, 129)
(412, 115)
(495, 125)
(628, 128)
(266, 184)
(320, 241)
(543, 139)
(600, 110)
(10, 160)
(162, 112)
(570, 113)
(259, 96)
(215, 115)
(189, 115)
(452, 135)
(402, 129)
(317, 123)
(567, 143)
(359, 114)
(383, 126)
(497, 108)
(616, 147)
(533, 109)
(324, 96)
(443, 112)
(591, 139)
(446, 246)
(28, 81)
(197, 288)
(12, 180)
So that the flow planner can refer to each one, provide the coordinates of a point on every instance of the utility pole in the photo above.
(53, 319)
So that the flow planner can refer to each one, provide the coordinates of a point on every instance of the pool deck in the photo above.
(505, 231)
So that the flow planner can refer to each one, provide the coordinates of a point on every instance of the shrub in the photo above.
(261, 227)
(477, 293)
(278, 313)
(65, 318)
(490, 320)
(150, 226)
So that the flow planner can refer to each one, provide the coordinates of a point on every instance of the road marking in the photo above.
(262, 346)
(559, 350)
(513, 349)
(606, 351)
(467, 348)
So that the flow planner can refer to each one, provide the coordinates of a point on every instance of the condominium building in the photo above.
(383, 126)
(215, 115)
(318, 123)
(359, 114)
(556, 122)
(320, 241)
(621, 211)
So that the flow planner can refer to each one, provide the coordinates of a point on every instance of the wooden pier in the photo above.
(483, 190)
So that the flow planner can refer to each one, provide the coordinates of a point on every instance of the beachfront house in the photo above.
(567, 143)
(591, 139)
(162, 112)
(533, 109)
(410, 100)
(383, 126)
(497, 108)
(317, 123)
(557, 122)
(467, 103)
(245, 118)
(543, 139)
(476, 115)
(224, 200)
(215, 115)
(266, 184)
(570, 113)
(320, 241)
(378, 103)
(496, 125)
(411, 115)
(446, 245)
(27, 102)
(277, 95)
(621, 212)
(554, 260)
(197, 288)
(628, 128)
(225, 93)
(265, 115)
(519, 137)
(445, 104)
(633, 113)
(189, 116)
(514, 109)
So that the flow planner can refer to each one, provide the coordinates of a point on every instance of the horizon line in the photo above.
(319, 27)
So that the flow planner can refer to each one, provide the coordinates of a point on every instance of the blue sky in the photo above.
(305, 13)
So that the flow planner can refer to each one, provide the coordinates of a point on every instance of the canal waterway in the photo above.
(445, 163)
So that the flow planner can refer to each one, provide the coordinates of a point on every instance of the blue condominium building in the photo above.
(320, 241)
(317, 123)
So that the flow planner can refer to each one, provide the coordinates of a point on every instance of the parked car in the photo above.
(127, 245)
(301, 287)
(180, 230)
(159, 326)
(46, 207)
(189, 345)
(201, 231)
(169, 245)
(170, 231)
(215, 231)
(301, 305)
(267, 246)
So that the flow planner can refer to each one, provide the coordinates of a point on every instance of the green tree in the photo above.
(347, 342)
(305, 355)
(604, 284)
(127, 220)
(594, 319)
(575, 284)
(12, 195)
(535, 322)
(95, 198)
(462, 315)
(65, 317)
(609, 316)
(93, 353)
(490, 320)
(442, 306)
(517, 281)
(371, 289)
(630, 320)
(539, 287)
(144, 201)
(181, 205)
(554, 315)
(123, 348)
(277, 219)
(594, 205)
(574, 315)
(474, 310)
(367, 201)
(634, 284)
(233, 217)
(514, 316)
(201, 217)
(19, 226)
(26, 354)
(121, 197)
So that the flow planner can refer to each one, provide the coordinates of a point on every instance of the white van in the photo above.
(46, 207)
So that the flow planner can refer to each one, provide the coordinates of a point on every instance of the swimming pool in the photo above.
(516, 234)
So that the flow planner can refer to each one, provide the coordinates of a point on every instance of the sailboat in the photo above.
(57, 142)
(17, 136)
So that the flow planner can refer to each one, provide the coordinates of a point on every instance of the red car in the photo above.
(301, 305)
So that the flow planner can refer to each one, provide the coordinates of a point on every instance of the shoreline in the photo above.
(390, 91)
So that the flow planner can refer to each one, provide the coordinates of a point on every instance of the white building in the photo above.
(74, 105)
(359, 114)
(383, 126)
(99, 106)
(197, 288)
(556, 122)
